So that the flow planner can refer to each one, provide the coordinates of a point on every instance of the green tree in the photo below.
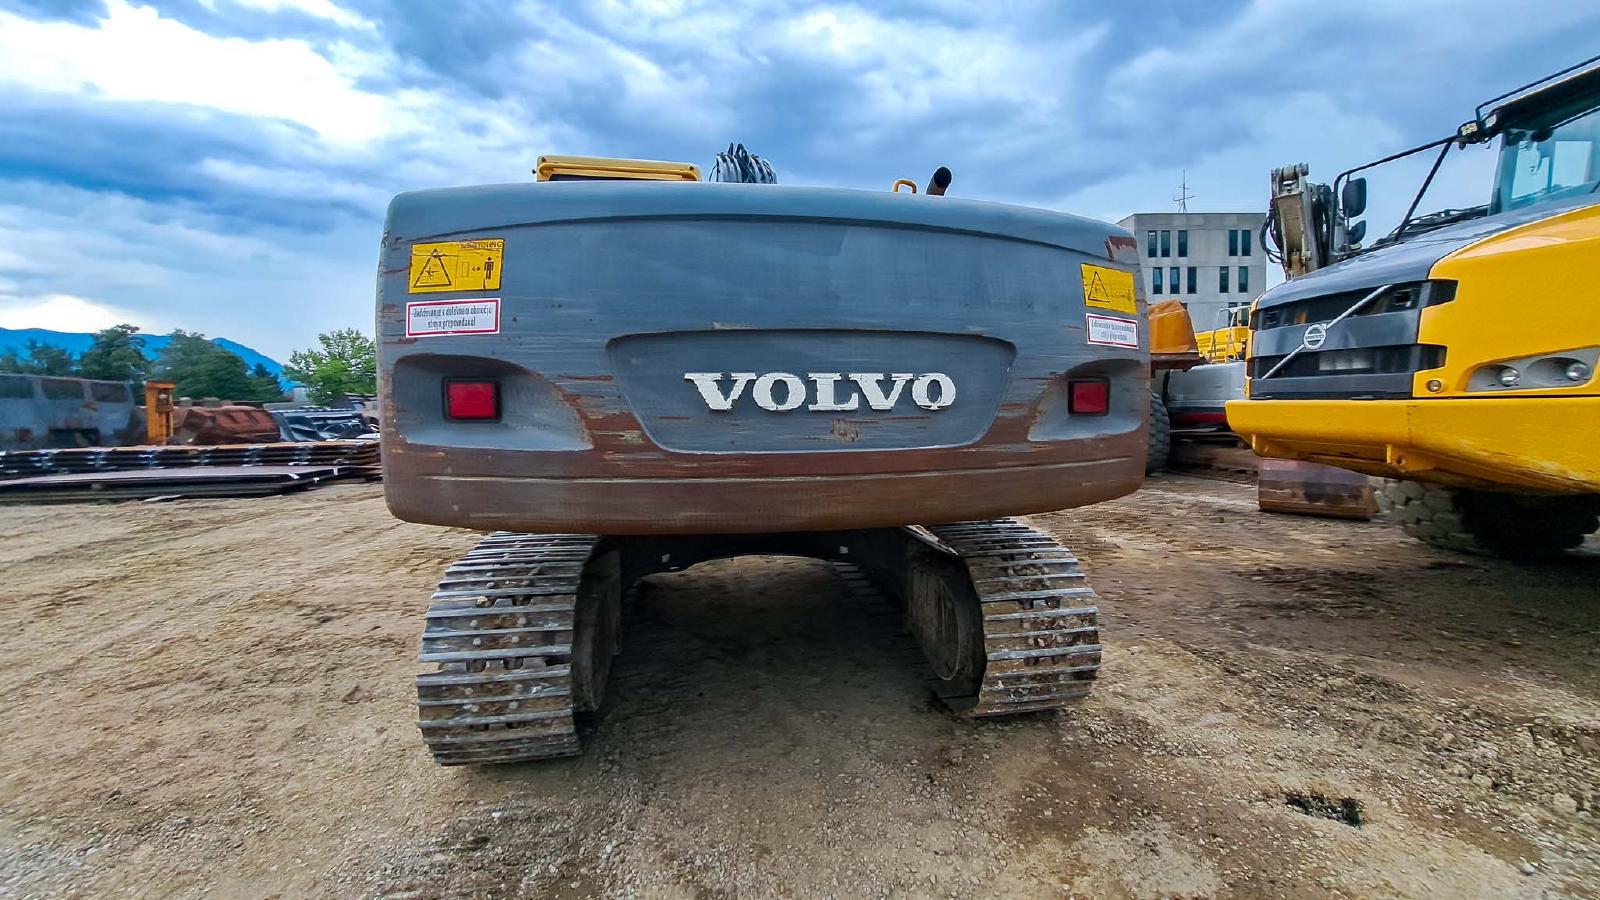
(200, 368)
(116, 355)
(11, 363)
(345, 362)
(47, 359)
(266, 385)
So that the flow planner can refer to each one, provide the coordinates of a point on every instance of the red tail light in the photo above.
(1089, 397)
(471, 400)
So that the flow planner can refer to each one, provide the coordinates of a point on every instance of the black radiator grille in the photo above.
(1401, 297)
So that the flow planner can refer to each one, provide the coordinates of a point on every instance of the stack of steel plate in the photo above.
(362, 454)
(144, 484)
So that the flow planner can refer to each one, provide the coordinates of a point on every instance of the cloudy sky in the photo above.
(223, 165)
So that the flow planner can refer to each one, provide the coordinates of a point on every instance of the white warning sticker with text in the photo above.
(1113, 332)
(435, 317)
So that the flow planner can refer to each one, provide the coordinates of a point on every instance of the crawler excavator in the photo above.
(619, 369)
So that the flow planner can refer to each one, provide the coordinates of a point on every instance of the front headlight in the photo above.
(1565, 369)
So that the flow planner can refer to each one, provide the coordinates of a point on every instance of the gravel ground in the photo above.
(214, 697)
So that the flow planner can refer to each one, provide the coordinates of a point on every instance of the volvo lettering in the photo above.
(825, 391)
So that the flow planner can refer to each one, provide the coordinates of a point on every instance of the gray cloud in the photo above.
(1078, 106)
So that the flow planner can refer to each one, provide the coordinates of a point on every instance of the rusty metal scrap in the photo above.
(229, 424)
(1313, 489)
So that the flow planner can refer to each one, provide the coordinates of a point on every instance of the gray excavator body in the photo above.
(621, 378)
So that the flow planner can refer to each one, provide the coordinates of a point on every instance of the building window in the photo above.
(1155, 280)
(1150, 243)
(1183, 242)
(1222, 279)
(1191, 276)
(1244, 278)
(1166, 243)
(1238, 242)
(1172, 280)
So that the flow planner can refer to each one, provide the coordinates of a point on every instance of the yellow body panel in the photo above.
(1522, 292)
(551, 167)
(1170, 329)
(1546, 444)
(1224, 344)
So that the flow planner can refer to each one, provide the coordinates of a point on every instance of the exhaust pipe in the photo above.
(939, 183)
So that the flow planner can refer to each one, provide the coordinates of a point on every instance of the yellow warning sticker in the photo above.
(1102, 287)
(457, 266)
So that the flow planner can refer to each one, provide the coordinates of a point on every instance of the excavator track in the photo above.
(1040, 628)
(520, 633)
(522, 629)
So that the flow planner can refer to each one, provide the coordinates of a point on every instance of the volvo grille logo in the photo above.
(825, 391)
(1315, 336)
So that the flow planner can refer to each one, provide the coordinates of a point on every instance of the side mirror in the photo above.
(1355, 233)
(1353, 198)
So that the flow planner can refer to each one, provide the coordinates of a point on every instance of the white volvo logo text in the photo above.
(827, 391)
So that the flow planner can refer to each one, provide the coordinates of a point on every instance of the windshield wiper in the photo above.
(1431, 222)
(1416, 201)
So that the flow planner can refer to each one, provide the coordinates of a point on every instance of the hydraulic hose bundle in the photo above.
(740, 166)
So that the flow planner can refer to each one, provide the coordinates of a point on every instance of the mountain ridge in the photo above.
(75, 342)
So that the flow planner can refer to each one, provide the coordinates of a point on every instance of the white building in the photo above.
(1209, 261)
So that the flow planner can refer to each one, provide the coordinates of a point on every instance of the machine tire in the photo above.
(1515, 526)
(1158, 443)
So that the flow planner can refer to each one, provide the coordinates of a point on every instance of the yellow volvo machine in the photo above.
(1228, 342)
(1457, 354)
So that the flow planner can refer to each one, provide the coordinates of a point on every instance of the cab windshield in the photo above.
(1548, 162)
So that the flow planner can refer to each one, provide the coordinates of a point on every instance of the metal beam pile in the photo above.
(196, 481)
(362, 455)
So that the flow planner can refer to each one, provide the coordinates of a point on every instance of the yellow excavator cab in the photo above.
(574, 168)
(158, 411)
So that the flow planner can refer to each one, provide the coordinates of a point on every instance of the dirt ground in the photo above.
(215, 697)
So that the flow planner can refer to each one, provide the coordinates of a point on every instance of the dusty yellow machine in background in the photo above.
(1457, 354)
(158, 411)
(1229, 342)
